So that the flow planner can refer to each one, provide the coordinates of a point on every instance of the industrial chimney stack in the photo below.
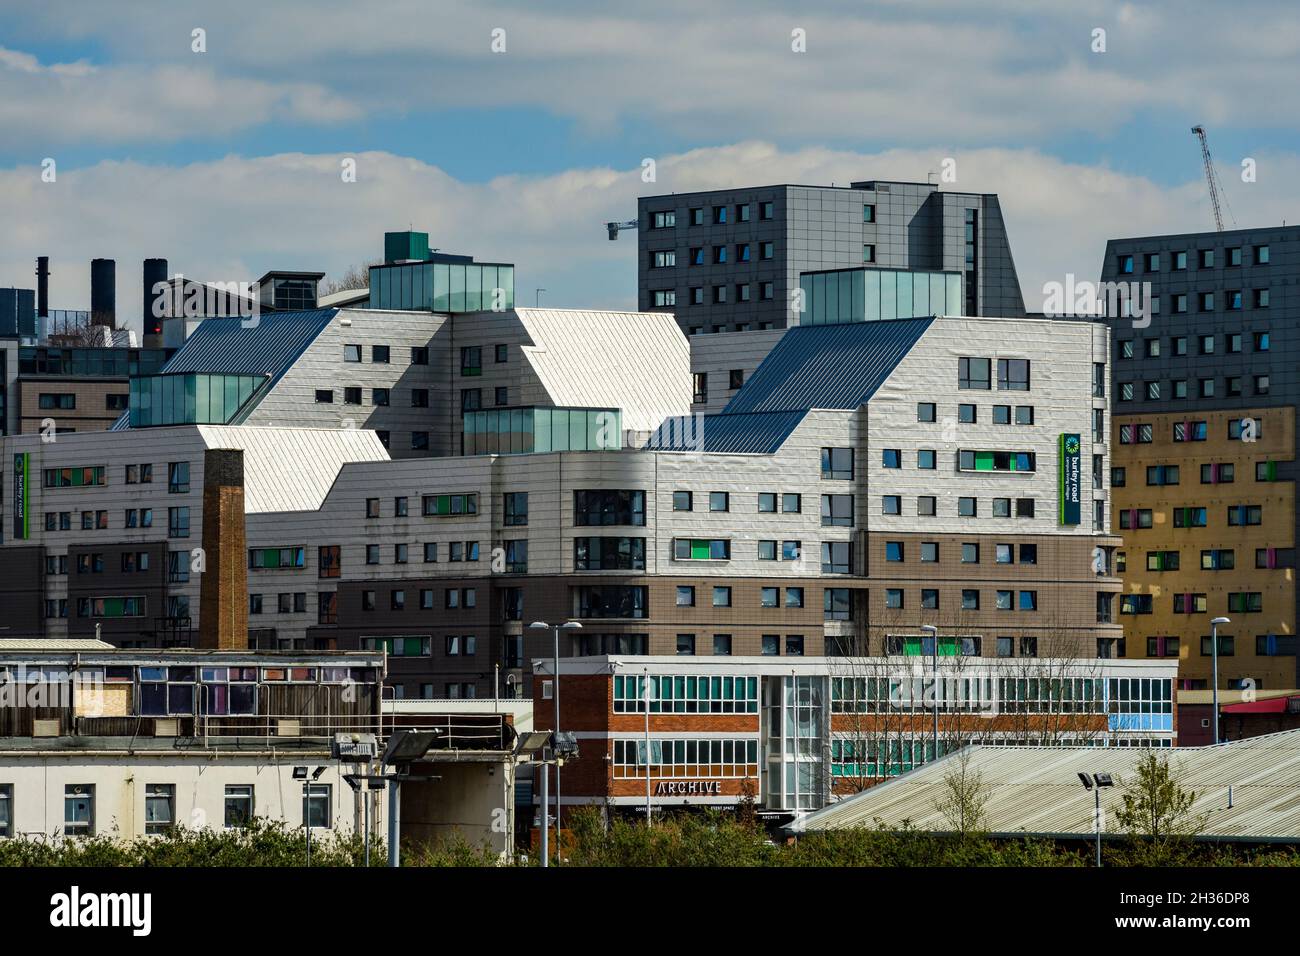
(155, 271)
(103, 292)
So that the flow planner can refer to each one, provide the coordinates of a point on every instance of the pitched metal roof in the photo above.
(752, 433)
(638, 362)
(827, 366)
(233, 347)
(1036, 790)
(293, 469)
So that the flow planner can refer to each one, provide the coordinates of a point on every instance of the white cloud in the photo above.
(234, 218)
(904, 72)
(72, 102)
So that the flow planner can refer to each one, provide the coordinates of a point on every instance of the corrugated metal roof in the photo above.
(10, 644)
(753, 433)
(827, 366)
(1036, 790)
(639, 362)
(292, 469)
(268, 348)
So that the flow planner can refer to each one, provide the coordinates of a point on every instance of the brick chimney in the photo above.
(223, 587)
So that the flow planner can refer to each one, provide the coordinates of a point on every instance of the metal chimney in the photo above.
(155, 271)
(103, 292)
(43, 286)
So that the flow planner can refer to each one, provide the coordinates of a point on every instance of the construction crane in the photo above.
(1211, 177)
(614, 227)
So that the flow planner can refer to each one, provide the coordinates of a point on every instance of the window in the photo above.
(891, 458)
(836, 605)
(929, 552)
(722, 597)
(966, 414)
(970, 553)
(794, 645)
(970, 599)
(1205, 258)
(930, 599)
(1013, 375)
(967, 507)
(925, 459)
(159, 807)
(352, 353)
(701, 387)
(722, 642)
(1227, 645)
(767, 250)
(767, 502)
(79, 809)
(449, 505)
(685, 645)
(1029, 600)
(769, 597)
(319, 815)
(736, 378)
(515, 509)
(238, 806)
(766, 210)
(894, 598)
(329, 561)
(868, 252)
(419, 355)
(719, 501)
(685, 596)
(925, 411)
(889, 505)
(973, 373)
(178, 522)
(178, 477)
(471, 361)
(1261, 255)
(837, 557)
(837, 463)
(771, 645)
(837, 510)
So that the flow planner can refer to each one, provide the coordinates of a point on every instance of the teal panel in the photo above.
(577, 430)
(889, 295)
(457, 303)
(441, 287)
(473, 288)
(938, 288)
(956, 303)
(920, 294)
(542, 430)
(903, 286)
(872, 279)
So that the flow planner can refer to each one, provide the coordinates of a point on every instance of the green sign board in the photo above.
(1071, 481)
(22, 522)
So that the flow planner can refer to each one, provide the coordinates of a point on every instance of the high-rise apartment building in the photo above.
(1205, 387)
(730, 260)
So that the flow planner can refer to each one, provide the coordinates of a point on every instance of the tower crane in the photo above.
(1211, 177)
(614, 227)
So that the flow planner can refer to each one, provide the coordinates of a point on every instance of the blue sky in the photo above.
(223, 160)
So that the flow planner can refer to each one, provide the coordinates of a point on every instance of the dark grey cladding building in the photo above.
(727, 260)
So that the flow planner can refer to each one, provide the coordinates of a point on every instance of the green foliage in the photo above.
(711, 838)
(263, 843)
(1156, 813)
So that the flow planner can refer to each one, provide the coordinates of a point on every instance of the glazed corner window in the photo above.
(352, 353)
(837, 463)
(471, 360)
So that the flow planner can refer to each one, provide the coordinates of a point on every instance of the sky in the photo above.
(512, 131)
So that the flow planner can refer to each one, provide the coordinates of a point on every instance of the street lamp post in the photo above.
(1214, 678)
(934, 638)
(1095, 783)
(647, 695)
(555, 729)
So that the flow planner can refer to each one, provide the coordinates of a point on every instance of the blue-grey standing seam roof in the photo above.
(229, 346)
(755, 433)
(827, 366)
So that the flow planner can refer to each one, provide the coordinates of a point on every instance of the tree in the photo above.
(1156, 813)
(354, 277)
(964, 797)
